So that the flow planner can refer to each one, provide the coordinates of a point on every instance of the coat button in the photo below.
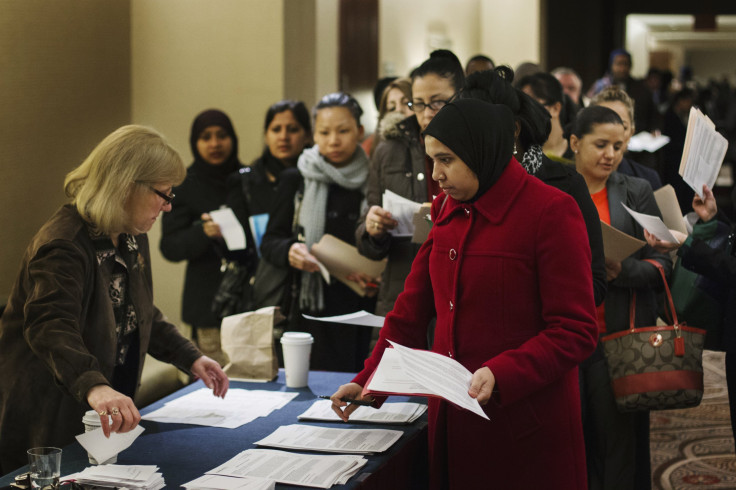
(453, 254)
(420, 176)
(451, 305)
(407, 175)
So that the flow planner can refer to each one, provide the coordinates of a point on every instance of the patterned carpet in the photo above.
(694, 448)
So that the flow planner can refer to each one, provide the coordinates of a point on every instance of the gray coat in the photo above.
(398, 164)
(57, 336)
(635, 275)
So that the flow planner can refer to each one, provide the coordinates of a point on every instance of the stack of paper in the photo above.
(310, 438)
(309, 470)
(218, 482)
(238, 408)
(404, 371)
(703, 153)
(120, 476)
(389, 413)
(402, 210)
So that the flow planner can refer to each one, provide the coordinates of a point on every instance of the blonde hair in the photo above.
(127, 162)
(614, 93)
(403, 84)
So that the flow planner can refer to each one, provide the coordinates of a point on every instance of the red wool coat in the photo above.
(510, 282)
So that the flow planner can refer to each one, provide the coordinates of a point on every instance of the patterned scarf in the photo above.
(318, 175)
(532, 159)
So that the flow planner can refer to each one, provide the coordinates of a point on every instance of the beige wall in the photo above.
(64, 84)
(409, 30)
(188, 56)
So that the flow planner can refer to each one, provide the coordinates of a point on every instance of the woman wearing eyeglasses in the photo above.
(80, 318)
(189, 233)
(400, 165)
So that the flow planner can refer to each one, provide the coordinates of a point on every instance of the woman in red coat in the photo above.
(506, 271)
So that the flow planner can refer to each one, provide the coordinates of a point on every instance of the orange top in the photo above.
(600, 199)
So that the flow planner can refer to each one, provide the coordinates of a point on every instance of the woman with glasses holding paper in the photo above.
(617, 443)
(189, 232)
(506, 271)
(399, 165)
(80, 318)
(324, 195)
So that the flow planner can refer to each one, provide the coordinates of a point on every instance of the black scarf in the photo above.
(480, 134)
(213, 117)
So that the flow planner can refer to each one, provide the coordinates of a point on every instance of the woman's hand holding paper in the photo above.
(481, 385)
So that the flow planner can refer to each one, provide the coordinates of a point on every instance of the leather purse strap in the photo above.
(668, 298)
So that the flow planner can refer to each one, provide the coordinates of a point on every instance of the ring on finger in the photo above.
(115, 411)
(102, 413)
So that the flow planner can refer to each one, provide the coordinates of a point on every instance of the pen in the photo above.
(362, 403)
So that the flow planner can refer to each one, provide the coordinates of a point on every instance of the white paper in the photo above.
(311, 470)
(313, 438)
(101, 448)
(120, 476)
(425, 372)
(219, 482)
(402, 210)
(653, 224)
(361, 317)
(646, 141)
(231, 229)
(322, 270)
(705, 151)
(389, 413)
(238, 408)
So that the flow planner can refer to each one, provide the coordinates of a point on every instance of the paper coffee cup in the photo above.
(297, 347)
(91, 421)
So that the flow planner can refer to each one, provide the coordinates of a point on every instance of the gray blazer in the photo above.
(635, 275)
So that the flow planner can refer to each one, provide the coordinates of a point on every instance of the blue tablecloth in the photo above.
(184, 452)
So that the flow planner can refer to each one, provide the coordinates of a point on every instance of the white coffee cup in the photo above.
(91, 421)
(297, 347)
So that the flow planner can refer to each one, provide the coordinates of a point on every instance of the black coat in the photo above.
(568, 180)
(336, 347)
(183, 238)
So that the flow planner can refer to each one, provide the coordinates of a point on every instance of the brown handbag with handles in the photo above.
(656, 368)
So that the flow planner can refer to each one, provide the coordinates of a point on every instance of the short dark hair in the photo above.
(339, 99)
(544, 86)
(592, 116)
(443, 63)
(479, 57)
(495, 86)
(297, 107)
(379, 88)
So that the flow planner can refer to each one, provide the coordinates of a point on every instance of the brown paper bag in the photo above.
(247, 339)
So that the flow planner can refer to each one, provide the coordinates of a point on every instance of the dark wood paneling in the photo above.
(358, 50)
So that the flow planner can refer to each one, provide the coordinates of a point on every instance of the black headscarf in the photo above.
(213, 117)
(480, 134)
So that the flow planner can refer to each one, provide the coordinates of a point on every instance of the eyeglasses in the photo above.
(166, 197)
(435, 105)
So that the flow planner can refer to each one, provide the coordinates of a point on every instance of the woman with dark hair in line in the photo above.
(189, 233)
(617, 444)
(532, 125)
(324, 195)
(506, 271)
(80, 318)
(287, 130)
(400, 165)
(547, 90)
(619, 101)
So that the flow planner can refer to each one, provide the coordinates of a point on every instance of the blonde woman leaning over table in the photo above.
(80, 318)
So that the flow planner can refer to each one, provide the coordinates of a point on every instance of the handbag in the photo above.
(655, 368)
(279, 286)
(698, 299)
(233, 293)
